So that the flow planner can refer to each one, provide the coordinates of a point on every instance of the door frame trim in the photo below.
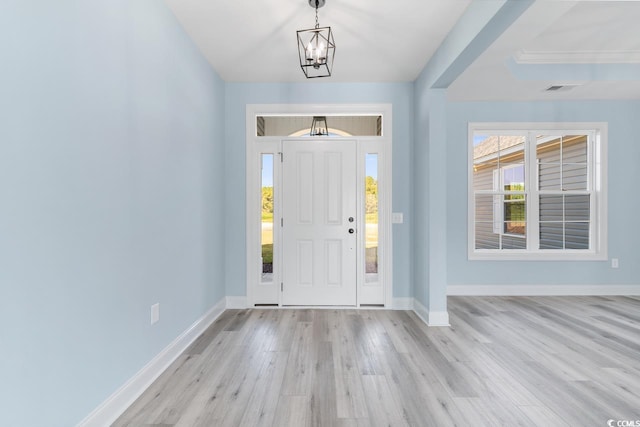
(256, 145)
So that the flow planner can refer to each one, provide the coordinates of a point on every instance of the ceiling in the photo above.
(590, 48)
(376, 40)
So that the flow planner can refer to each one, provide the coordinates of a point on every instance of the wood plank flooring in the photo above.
(516, 361)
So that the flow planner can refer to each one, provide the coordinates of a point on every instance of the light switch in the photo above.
(155, 313)
(397, 218)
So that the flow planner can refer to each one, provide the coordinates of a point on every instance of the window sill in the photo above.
(549, 255)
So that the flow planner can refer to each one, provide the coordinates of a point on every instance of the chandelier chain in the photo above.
(317, 22)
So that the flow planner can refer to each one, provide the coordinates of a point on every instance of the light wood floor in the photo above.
(512, 361)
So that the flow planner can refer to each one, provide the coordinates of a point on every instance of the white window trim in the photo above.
(597, 158)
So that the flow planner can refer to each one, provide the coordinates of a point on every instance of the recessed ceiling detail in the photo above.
(591, 44)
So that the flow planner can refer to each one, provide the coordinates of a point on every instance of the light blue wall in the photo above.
(122, 184)
(477, 28)
(111, 181)
(238, 95)
(420, 195)
(624, 175)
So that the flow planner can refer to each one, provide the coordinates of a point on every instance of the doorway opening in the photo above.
(319, 206)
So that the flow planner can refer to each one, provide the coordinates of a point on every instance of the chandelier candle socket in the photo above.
(316, 47)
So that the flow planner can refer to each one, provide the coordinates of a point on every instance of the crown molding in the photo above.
(577, 57)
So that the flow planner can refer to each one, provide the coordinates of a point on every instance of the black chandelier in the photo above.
(316, 48)
(319, 126)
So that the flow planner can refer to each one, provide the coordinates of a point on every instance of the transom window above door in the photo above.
(337, 126)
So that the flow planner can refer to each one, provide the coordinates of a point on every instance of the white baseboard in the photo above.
(402, 304)
(421, 311)
(118, 402)
(438, 318)
(542, 290)
(237, 302)
(430, 318)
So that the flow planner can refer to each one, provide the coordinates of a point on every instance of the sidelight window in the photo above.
(266, 235)
(371, 217)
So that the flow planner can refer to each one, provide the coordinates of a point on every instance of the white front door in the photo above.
(319, 223)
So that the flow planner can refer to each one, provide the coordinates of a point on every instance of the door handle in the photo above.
(351, 231)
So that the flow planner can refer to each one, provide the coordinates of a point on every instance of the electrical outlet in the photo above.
(615, 263)
(155, 313)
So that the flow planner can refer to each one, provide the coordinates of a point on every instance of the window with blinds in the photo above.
(537, 193)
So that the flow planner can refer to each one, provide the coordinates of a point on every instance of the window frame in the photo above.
(596, 188)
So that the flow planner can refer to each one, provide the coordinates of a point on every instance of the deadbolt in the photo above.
(350, 219)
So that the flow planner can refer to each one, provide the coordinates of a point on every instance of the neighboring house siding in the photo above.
(489, 206)
(575, 217)
(563, 218)
(485, 237)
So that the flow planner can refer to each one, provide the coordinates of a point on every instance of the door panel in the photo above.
(319, 196)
